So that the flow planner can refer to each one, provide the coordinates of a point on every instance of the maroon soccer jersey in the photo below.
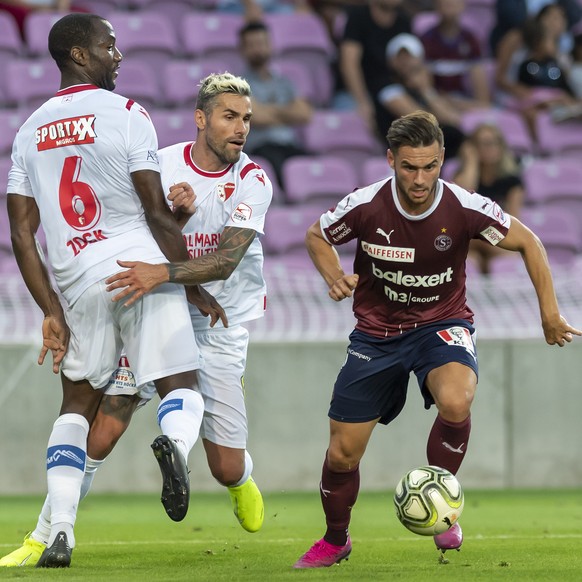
(411, 268)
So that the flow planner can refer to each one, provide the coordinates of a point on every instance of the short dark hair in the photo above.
(417, 129)
(252, 26)
(71, 30)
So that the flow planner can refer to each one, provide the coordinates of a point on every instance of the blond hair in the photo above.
(216, 84)
(507, 165)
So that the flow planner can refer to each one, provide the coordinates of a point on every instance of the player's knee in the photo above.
(228, 473)
(342, 458)
(456, 406)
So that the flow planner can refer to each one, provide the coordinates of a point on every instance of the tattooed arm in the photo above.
(140, 278)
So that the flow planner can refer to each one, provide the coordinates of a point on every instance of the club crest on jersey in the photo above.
(242, 212)
(225, 191)
(458, 336)
(443, 242)
(64, 132)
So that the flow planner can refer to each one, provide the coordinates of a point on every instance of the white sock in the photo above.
(91, 466)
(66, 453)
(248, 470)
(180, 416)
(42, 530)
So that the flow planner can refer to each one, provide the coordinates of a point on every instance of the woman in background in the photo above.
(490, 168)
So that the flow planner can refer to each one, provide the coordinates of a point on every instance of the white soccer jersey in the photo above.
(74, 155)
(238, 196)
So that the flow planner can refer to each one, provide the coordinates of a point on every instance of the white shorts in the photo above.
(223, 355)
(155, 332)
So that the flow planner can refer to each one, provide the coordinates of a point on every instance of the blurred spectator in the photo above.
(414, 89)
(453, 54)
(512, 14)
(488, 166)
(576, 67)
(277, 110)
(256, 9)
(363, 56)
(513, 51)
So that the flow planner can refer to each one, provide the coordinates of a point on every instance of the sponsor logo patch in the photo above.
(396, 254)
(242, 212)
(64, 132)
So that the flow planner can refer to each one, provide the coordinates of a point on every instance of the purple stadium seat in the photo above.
(551, 179)
(10, 122)
(147, 35)
(298, 73)
(36, 29)
(213, 35)
(182, 79)
(509, 122)
(138, 81)
(173, 126)
(11, 45)
(375, 169)
(278, 195)
(31, 82)
(326, 178)
(175, 10)
(285, 228)
(303, 37)
(341, 133)
(554, 138)
(558, 230)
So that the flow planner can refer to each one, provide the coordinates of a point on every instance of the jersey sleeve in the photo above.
(253, 198)
(142, 140)
(488, 221)
(18, 182)
(339, 224)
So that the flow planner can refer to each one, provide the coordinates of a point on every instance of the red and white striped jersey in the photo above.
(75, 155)
(411, 268)
(237, 196)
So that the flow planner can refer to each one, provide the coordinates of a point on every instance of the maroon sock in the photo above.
(339, 492)
(447, 443)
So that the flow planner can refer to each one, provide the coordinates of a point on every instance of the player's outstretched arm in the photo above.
(326, 261)
(557, 331)
(24, 222)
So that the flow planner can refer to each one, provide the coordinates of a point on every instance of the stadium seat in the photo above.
(325, 178)
(509, 122)
(375, 169)
(31, 82)
(300, 76)
(303, 37)
(146, 35)
(182, 79)
(341, 133)
(173, 125)
(10, 122)
(175, 10)
(286, 226)
(554, 138)
(558, 230)
(37, 26)
(550, 179)
(138, 81)
(213, 35)
(11, 45)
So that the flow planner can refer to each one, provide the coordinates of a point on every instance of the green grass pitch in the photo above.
(509, 535)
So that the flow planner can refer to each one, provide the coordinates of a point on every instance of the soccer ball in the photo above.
(428, 500)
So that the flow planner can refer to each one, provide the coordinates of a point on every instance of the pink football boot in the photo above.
(322, 554)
